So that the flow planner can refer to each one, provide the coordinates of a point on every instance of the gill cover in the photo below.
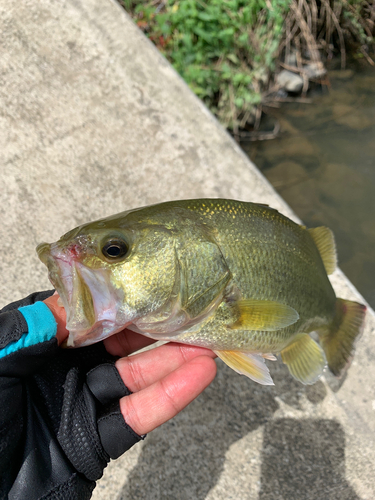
(200, 278)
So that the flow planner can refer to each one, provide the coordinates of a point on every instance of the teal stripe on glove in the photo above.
(41, 327)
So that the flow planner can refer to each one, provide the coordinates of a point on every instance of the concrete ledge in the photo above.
(94, 121)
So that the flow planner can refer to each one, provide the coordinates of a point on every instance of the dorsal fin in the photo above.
(325, 242)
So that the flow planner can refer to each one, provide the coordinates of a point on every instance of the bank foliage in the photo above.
(228, 51)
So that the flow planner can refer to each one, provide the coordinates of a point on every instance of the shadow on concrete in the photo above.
(304, 459)
(185, 458)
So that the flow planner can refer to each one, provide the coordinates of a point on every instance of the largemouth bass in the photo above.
(238, 278)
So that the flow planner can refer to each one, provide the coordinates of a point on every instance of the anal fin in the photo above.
(304, 358)
(250, 364)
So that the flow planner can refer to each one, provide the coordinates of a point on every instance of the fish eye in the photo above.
(115, 249)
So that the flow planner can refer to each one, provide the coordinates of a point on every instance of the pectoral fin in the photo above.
(249, 364)
(304, 358)
(263, 315)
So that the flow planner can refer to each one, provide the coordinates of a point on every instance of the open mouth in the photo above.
(59, 273)
(90, 302)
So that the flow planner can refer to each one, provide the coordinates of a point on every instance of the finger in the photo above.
(59, 315)
(141, 370)
(126, 342)
(145, 410)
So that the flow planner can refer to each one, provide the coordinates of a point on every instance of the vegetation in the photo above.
(229, 50)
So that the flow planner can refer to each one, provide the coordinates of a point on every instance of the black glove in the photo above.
(60, 419)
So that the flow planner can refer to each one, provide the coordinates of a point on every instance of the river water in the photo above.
(323, 165)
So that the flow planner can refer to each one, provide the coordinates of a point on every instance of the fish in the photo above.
(236, 277)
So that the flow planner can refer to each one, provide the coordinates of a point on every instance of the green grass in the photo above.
(227, 50)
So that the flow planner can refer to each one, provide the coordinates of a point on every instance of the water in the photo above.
(323, 165)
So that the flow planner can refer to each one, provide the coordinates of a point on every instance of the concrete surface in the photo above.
(94, 121)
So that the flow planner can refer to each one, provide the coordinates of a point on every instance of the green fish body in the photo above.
(238, 278)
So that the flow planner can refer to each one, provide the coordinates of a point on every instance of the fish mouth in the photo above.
(88, 297)
(59, 273)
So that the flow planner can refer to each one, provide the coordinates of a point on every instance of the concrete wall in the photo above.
(94, 121)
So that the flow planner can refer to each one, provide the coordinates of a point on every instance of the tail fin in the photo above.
(339, 338)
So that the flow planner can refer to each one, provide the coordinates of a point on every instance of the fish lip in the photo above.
(43, 251)
(105, 299)
(97, 333)
(64, 273)
(59, 271)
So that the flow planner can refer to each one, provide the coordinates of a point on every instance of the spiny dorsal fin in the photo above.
(250, 364)
(304, 358)
(325, 242)
(263, 315)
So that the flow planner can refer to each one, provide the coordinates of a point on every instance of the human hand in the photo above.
(68, 411)
(163, 380)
